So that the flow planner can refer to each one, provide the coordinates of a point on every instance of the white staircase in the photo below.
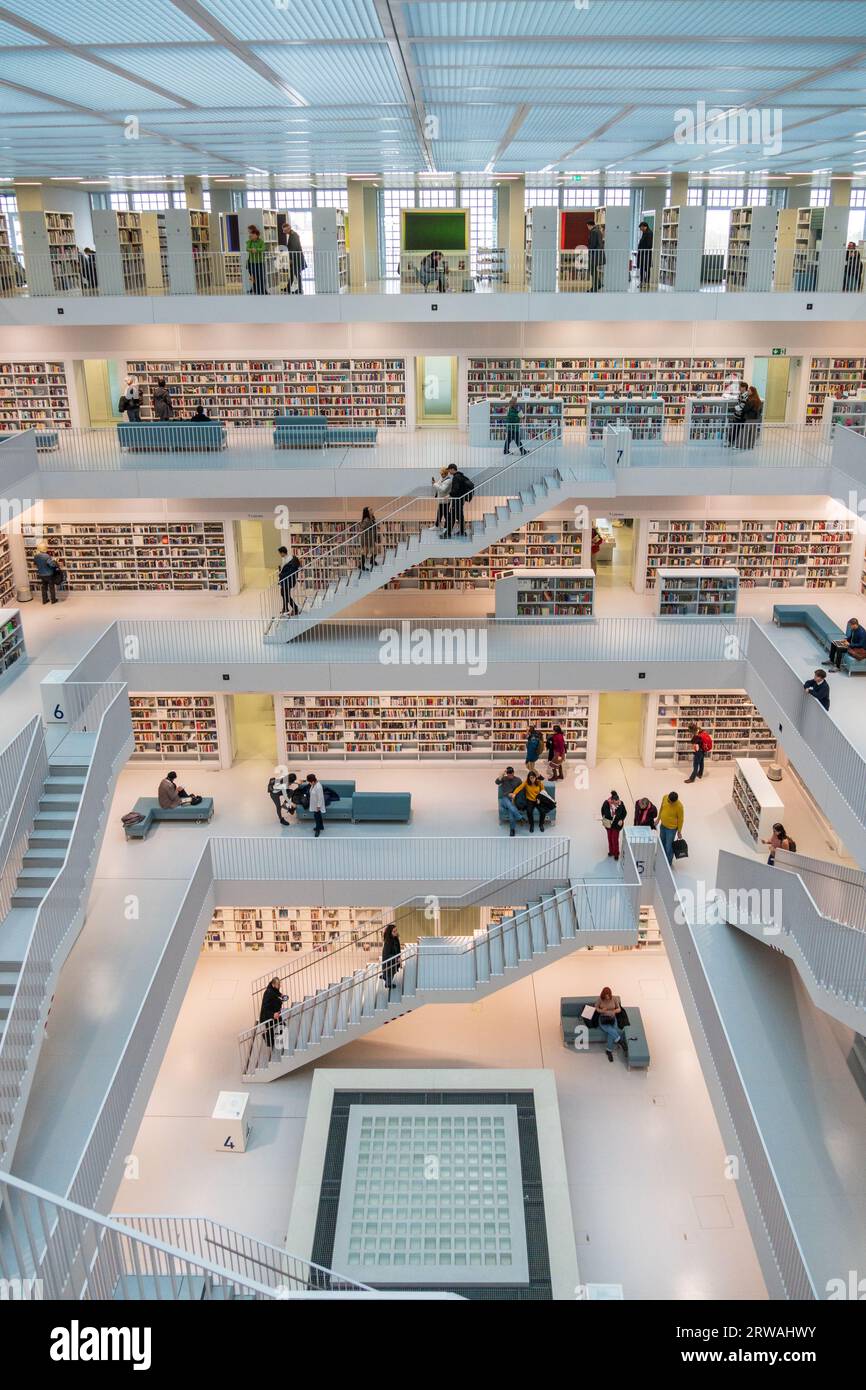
(333, 580)
(443, 970)
(49, 838)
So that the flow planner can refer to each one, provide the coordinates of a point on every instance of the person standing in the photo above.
(256, 249)
(49, 572)
(508, 784)
(608, 1007)
(671, 820)
(852, 276)
(275, 792)
(163, 405)
(558, 750)
(780, 839)
(613, 820)
(462, 491)
(272, 1007)
(533, 747)
(132, 396)
(644, 254)
(297, 259)
(701, 743)
(317, 802)
(391, 953)
(512, 427)
(433, 270)
(819, 689)
(595, 244)
(369, 538)
(645, 813)
(287, 579)
(442, 491)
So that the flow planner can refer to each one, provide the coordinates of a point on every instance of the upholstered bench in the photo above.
(637, 1047)
(172, 437)
(549, 787)
(149, 807)
(300, 432)
(47, 441)
(345, 436)
(338, 810)
(392, 806)
(822, 628)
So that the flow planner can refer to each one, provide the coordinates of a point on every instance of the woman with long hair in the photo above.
(368, 538)
(391, 952)
(608, 1005)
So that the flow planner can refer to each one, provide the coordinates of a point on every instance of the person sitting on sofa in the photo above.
(853, 644)
(608, 1006)
(508, 784)
(201, 416)
(170, 795)
(531, 796)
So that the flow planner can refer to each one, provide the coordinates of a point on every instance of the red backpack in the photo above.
(707, 740)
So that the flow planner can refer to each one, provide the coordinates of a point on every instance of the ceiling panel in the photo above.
(100, 21)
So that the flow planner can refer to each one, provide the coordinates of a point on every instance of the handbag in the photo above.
(607, 822)
(545, 802)
(622, 1019)
(132, 818)
(195, 801)
(681, 849)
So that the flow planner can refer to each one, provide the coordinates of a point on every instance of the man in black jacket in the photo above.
(819, 688)
(596, 257)
(462, 491)
(288, 578)
(272, 1004)
(297, 259)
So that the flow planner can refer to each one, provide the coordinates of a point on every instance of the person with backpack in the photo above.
(287, 579)
(702, 744)
(49, 572)
(441, 491)
(130, 401)
(671, 818)
(780, 839)
(462, 491)
(613, 820)
(533, 747)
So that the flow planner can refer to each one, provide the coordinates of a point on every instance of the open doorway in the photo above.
(99, 386)
(614, 555)
(255, 728)
(258, 560)
(619, 724)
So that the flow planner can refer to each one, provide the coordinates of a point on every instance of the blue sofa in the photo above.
(637, 1047)
(820, 625)
(549, 787)
(149, 807)
(315, 432)
(358, 806)
(172, 436)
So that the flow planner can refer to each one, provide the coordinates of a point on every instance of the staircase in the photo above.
(49, 838)
(444, 970)
(332, 578)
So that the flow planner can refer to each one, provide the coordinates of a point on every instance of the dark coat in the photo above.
(289, 572)
(616, 815)
(272, 1003)
(461, 486)
(163, 406)
(533, 748)
(646, 817)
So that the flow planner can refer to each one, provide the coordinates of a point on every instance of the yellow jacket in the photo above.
(672, 815)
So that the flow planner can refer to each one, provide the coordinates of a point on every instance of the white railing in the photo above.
(23, 769)
(833, 953)
(52, 1248)
(718, 1057)
(58, 917)
(838, 891)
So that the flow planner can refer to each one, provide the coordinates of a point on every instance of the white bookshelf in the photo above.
(191, 247)
(819, 248)
(850, 411)
(266, 221)
(682, 247)
(708, 419)
(701, 592)
(8, 261)
(288, 930)
(50, 252)
(491, 264)
(137, 555)
(730, 717)
(615, 226)
(541, 242)
(34, 395)
(430, 727)
(179, 728)
(244, 392)
(566, 594)
(7, 577)
(128, 248)
(755, 800)
(827, 377)
(776, 554)
(751, 240)
(330, 256)
(12, 649)
(541, 418)
(644, 416)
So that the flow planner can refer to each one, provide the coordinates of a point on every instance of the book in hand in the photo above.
(587, 1011)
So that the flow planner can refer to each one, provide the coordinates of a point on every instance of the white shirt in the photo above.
(442, 486)
(133, 391)
(317, 797)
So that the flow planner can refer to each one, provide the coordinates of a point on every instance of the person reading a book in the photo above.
(608, 1006)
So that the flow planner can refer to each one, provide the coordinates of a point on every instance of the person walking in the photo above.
(368, 538)
(819, 689)
(701, 743)
(852, 644)
(317, 802)
(595, 244)
(608, 1007)
(512, 427)
(508, 784)
(297, 259)
(671, 819)
(272, 1007)
(287, 579)
(644, 254)
(276, 789)
(780, 839)
(163, 405)
(462, 491)
(132, 397)
(533, 747)
(613, 820)
(852, 274)
(391, 953)
(256, 249)
(558, 750)
(645, 813)
(531, 796)
(442, 493)
(49, 572)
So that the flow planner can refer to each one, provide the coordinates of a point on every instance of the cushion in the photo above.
(169, 435)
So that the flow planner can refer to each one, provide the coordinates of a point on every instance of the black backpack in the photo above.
(466, 489)
(330, 795)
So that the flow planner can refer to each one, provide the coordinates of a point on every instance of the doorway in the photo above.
(614, 559)
(255, 728)
(257, 553)
(100, 386)
(619, 724)
(771, 379)
(436, 392)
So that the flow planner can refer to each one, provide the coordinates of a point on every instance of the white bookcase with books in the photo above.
(700, 592)
(708, 419)
(751, 239)
(8, 262)
(644, 416)
(542, 239)
(128, 248)
(565, 594)
(7, 578)
(756, 801)
(13, 652)
(192, 262)
(138, 555)
(442, 727)
(730, 717)
(819, 248)
(50, 252)
(767, 553)
(540, 420)
(330, 256)
(682, 247)
(291, 930)
(180, 728)
(615, 226)
(34, 395)
(849, 411)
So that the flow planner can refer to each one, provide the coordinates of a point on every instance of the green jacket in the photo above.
(512, 416)
(255, 249)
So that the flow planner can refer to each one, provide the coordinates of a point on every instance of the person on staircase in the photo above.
(613, 820)
(287, 579)
(462, 491)
(442, 493)
(391, 953)
(368, 539)
(272, 1007)
(512, 427)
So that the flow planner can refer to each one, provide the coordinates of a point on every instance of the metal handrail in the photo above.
(22, 801)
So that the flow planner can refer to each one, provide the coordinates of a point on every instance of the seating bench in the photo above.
(358, 806)
(549, 787)
(172, 437)
(47, 441)
(338, 810)
(149, 807)
(820, 625)
(637, 1047)
(315, 432)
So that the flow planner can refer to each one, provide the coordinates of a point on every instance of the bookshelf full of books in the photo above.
(250, 392)
(175, 728)
(755, 799)
(698, 593)
(732, 720)
(708, 419)
(751, 241)
(289, 930)
(7, 578)
(129, 251)
(34, 395)
(50, 252)
(190, 239)
(767, 553)
(841, 378)
(850, 411)
(644, 416)
(540, 420)
(12, 649)
(135, 555)
(528, 593)
(429, 727)
(682, 247)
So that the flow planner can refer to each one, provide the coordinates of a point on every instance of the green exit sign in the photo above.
(780, 352)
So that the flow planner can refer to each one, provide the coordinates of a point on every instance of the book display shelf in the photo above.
(12, 649)
(50, 252)
(731, 718)
(7, 580)
(565, 594)
(832, 377)
(135, 555)
(644, 416)
(699, 593)
(34, 395)
(285, 930)
(850, 412)
(541, 418)
(755, 799)
(796, 553)
(182, 728)
(751, 239)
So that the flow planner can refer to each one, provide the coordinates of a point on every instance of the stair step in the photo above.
(54, 820)
(551, 919)
(59, 803)
(58, 839)
(537, 932)
(34, 877)
(65, 783)
(44, 858)
(67, 770)
(8, 980)
(27, 897)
